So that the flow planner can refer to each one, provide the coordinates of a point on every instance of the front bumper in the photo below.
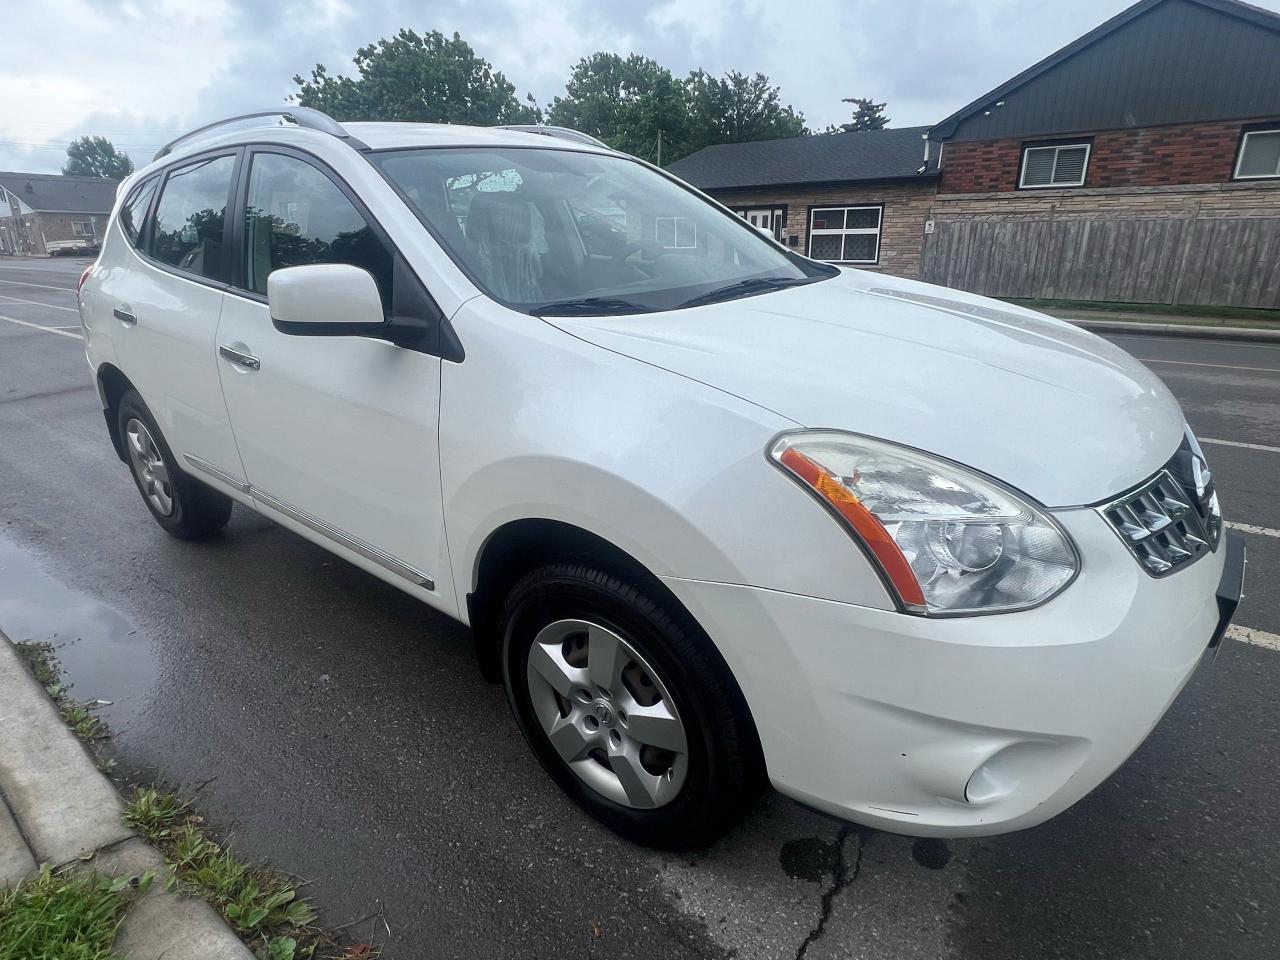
(968, 726)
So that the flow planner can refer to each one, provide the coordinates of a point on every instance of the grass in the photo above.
(41, 660)
(73, 916)
(63, 915)
(261, 904)
(1225, 316)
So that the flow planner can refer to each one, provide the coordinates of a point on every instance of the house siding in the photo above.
(39, 234)
(1190, 153)
(902, 221)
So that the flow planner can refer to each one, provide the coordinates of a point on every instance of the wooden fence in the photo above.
(1218, 261)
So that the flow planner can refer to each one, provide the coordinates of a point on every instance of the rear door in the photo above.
(165, 302)
(338, 435)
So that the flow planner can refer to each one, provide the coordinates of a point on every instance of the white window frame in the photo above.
(1056, 147)
(1236, 175)
(675, 233)
(78, 229)
(843, 232)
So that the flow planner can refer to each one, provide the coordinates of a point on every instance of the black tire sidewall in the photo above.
(132, 407)
(704, 806)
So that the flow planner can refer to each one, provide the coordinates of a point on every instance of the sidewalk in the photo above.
(1117, 321)
(57, 808)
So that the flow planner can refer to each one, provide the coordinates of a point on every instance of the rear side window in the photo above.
(191, 216)
(296, 215)
(135, 208)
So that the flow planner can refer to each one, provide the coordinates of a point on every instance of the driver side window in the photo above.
(296, 215)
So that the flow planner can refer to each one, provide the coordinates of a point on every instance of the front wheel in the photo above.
(184, 506)
(627, 709)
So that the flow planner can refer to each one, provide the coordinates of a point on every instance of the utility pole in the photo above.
(659, 146)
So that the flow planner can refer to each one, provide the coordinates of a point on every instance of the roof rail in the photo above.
(560, 133)
(299, 116)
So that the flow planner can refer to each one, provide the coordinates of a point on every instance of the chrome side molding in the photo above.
(340, 537)
(206, 467)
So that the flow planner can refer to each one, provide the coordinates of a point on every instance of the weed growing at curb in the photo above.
(261, 904)
(65, 914)
(42, 661)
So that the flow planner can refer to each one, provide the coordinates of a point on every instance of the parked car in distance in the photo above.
(69, 248)
(717, 514)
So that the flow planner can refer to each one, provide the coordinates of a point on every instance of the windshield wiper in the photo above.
(588, 306)
(744, 288)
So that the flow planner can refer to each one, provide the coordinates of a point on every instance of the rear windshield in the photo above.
(560, 231)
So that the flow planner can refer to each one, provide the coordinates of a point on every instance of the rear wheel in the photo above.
(184, 506)
(626, 708)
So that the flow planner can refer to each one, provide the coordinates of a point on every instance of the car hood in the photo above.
(1048, 408)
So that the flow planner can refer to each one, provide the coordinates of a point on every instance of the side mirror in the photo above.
(325, 300)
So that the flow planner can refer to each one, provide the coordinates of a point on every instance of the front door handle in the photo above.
(246, 360)
(125, 316)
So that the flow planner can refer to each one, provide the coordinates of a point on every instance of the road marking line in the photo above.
(1259, 638)
(1220, 366)
(37, 303)
(47, 286)
(36, 326)
(1251, 528)
(1237, 443)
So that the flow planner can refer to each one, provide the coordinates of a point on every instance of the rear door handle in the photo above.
(246, 360)
(124, 316)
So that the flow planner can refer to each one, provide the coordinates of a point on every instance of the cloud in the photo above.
(141, 71)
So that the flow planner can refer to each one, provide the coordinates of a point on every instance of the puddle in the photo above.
(100, 653)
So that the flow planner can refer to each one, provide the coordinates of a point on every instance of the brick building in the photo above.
(1140, 163)
(44, 214)
(855, 198)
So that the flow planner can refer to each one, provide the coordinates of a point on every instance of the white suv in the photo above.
(715, 512)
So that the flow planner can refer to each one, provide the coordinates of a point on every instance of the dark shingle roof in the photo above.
(825, 158)
(1184, 67)
(54, 192)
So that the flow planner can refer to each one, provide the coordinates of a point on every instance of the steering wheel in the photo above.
(630, 250)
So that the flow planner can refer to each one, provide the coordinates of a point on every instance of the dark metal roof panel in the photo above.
(56, 193)
(826, 158)
(1161, 61)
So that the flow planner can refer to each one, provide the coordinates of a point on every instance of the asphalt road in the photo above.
(341, 731)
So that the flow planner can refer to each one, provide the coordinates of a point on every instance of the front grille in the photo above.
(1165, 523)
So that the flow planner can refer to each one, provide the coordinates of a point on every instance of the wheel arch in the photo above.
(112, 384)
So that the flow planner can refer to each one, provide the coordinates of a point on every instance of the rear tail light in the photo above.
(83, 277)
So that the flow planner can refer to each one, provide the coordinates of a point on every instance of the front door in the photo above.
(338, 435)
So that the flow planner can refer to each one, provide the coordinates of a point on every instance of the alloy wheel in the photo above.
(149, 466)
(607, 713)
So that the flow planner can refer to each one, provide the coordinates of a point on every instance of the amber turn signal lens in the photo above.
(863, 523)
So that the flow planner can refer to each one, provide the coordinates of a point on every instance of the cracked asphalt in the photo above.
(340, 730)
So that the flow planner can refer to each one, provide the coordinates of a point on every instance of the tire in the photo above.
(688, 798)
(182, 505)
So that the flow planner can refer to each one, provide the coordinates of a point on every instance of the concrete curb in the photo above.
(56, 807)
(1200, 331)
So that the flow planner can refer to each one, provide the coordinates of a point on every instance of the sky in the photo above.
(142, 71)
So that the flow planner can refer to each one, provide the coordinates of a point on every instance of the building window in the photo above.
(1060, 165)
(1259, 155)
(675, 233)
(82, 228)
(764, 218)
(845, 234)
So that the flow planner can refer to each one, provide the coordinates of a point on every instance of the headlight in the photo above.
(947, 539)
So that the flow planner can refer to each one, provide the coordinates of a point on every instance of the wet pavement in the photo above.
(340, 729)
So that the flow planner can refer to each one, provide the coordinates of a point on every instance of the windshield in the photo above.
(549, 231)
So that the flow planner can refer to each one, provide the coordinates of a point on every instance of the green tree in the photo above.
(736, 108)
(427, 78)
(867, 115)
(96, 157)
(627, 103)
